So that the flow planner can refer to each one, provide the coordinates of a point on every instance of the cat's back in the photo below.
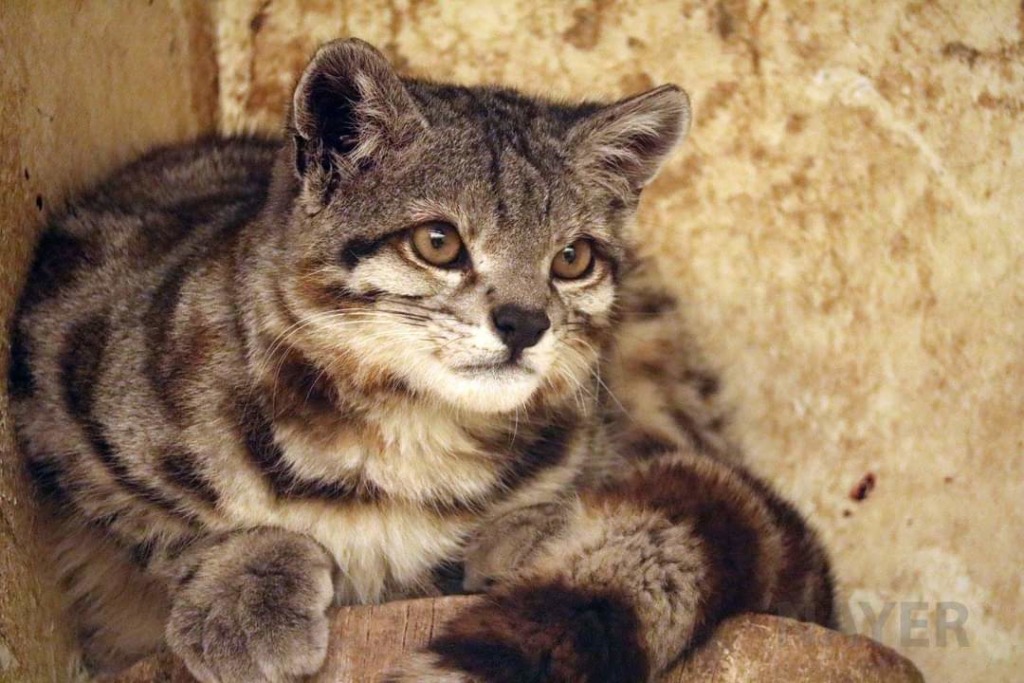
(106, 274)
(142, 218)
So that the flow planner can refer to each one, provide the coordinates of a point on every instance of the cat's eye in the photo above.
(574, 260)
(437, 243)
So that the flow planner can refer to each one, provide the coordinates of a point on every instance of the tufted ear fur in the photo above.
(349, 110)
(623, 145)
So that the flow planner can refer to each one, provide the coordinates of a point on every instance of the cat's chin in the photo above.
(486, 389)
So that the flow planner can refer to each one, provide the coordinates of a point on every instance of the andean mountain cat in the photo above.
(407, 340)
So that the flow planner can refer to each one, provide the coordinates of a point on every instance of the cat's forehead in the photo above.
(502, 112)
(500, 158)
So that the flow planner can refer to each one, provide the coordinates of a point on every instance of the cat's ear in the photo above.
(349, 109)
(623, 145)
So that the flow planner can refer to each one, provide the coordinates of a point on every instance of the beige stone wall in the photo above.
(83, 87)
(846, 224)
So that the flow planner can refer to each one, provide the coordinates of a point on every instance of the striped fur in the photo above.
(246, 399)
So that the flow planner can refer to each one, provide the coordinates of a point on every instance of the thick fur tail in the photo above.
(642, 571)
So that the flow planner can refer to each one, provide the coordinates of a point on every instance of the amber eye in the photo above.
(438, 244)
(574, 261)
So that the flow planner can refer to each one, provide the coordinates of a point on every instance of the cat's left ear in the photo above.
(350, 109)
(623, 145)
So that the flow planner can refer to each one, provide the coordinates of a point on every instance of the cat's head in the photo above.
(466, 243)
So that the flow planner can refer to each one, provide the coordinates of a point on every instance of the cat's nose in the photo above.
(519, 327)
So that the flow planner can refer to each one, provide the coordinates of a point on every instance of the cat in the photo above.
(406, 348)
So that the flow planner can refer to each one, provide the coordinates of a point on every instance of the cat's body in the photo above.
(249, 394)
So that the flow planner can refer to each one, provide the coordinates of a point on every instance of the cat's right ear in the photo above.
(349, 110)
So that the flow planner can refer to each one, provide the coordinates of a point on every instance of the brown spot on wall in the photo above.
(933, 90)
(899, 246)
(259, 18)
(717, 98)
(965, 53)
(796, 123)
(586, 28)
(864, 487)
(635, 83)
(987, 100)
(725, 22)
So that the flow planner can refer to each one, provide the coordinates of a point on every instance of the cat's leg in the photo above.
(118, 611)
(641, 571)
(509, 543)
(249, 606)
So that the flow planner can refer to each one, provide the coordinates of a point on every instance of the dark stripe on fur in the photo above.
(48, 479)
(547, 450)
(141, 553)
(179, 467)
(291, 319)
(494, 148)
(258, 434)
(357, 249)
(648, 303)
(170, 360)
(301, 388)
(492, 139)
(804, 555)
(158, 322)
(646, 446)
(81, 365)
(59, 257)
(549, 632)
(707, 384)
(692, 429)
(20, 381)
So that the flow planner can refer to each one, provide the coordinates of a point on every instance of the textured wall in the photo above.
(847, 225)
(83, 86)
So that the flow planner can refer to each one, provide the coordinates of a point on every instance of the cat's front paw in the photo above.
(255, 610)
(546, 633)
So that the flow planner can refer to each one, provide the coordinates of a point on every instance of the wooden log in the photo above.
(744, 649)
